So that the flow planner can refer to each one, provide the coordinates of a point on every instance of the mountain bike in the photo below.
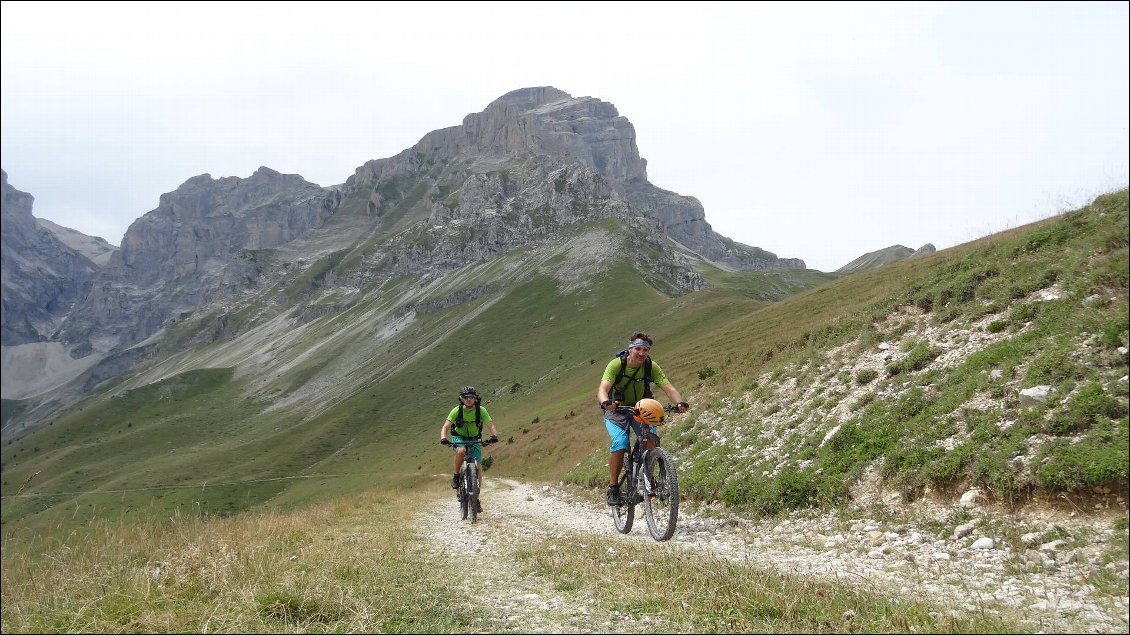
(468, 491)
(648, 477)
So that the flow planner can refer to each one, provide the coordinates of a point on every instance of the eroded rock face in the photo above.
(206, 220)
(523, 173)
(42, 276)
(533, 162)
(532, 133)
(191, 250)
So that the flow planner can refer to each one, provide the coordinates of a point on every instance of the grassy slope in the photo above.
(912, 423)
(199, 444)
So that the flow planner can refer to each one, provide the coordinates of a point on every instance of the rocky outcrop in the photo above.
(191, 250)
(547, 127)
(535, 169)
(928, 248)
(206, 220)
(94, 248)
(42, 276)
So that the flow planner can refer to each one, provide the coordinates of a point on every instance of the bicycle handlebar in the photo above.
(631, 410)
(469, 443)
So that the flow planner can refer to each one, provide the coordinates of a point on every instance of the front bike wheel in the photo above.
(471, 477)
(625, 513)
(661, 485)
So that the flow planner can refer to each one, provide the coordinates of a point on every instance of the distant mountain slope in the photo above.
(43, 277)
(898, 383)
(95, 249)
(894, 253)
(220, 259)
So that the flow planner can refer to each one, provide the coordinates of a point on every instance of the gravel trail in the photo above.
(959, 570)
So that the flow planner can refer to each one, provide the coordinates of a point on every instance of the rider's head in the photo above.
(468, 391)
(649, 411)
(640, 339)
(639, 347)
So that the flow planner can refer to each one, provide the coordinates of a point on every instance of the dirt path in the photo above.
(900, 559)
(514, 515)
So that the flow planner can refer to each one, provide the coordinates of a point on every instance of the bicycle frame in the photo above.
(469, 479)
(658, 491)
(634, 458)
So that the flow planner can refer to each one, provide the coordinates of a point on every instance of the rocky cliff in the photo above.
(579, 152)
(218, 257)
(42, 276)
(191, 250)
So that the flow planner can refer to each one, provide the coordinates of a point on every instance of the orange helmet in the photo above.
(649, 411)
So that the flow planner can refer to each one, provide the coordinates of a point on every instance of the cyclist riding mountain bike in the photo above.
(464, 423)
(626, 380)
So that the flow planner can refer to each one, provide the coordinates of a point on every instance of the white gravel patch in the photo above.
(903, 560)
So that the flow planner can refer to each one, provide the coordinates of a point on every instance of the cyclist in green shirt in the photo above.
(465, 422)
(626, 381)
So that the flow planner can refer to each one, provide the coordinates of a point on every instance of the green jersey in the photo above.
(470, 427)
(632, 383)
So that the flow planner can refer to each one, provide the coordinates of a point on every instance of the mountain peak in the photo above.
(531, 97)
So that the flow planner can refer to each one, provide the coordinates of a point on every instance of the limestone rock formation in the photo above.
(42, 276)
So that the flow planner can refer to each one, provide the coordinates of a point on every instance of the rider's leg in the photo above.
(459, 454)
(615, 464)
(618, 444)
(649, 443)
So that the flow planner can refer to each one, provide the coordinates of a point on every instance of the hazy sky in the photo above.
(815, 131)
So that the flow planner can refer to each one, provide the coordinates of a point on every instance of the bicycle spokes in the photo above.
(661, 506)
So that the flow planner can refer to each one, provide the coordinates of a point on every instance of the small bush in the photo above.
(1024, 313)
(866, 376)
(1085, 409)
(919, 357)
(1114, 333)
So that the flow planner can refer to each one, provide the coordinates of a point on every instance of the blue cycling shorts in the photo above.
(619, 436)
(476, 450)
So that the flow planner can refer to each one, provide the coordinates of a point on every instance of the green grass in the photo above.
(361, 564)
(536, 353)
(346, 566)
(704, 594)
(150, 472)
(1051, 342)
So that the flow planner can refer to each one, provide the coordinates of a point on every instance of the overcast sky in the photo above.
(814, 131)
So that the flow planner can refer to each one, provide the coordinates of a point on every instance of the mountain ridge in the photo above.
(329, 353)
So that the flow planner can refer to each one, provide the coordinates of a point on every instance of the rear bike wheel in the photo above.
(625, 513)
(660, 483)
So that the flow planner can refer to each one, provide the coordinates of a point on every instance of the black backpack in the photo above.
(618, 393)
(478, 418)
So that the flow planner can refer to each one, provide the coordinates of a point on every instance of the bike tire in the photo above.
(661, 506)
(471, 470)
(624, 515)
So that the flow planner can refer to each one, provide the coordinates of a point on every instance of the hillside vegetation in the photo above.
(907, 375)
(219, 499)
(915, 375)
